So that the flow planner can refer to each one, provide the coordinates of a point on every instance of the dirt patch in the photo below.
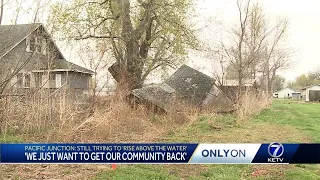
(269, 171)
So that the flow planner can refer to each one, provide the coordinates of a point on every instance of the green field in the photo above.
(284, 121)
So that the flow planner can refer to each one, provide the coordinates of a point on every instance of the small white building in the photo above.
(284, 93)
(311, 93)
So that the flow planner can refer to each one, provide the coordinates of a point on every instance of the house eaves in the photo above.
(63, 70)
(310, 86)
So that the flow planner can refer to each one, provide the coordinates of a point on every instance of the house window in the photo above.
(27, 80)
(19, 80)
(52, 77)
(30, 41)
(23, 80)
(38, 80)
(44, 46)
(38, 44)
(58, 80)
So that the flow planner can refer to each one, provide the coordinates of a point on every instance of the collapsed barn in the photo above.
(185, 87)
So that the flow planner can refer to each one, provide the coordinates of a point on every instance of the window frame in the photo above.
(25, 85)
(31, 44)
(21, 80)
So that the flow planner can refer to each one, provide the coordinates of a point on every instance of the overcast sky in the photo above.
(304, 30)
(304, 27)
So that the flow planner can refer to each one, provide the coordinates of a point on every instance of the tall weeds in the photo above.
(63, 117)
(38, 111)
(114, 120)
(251, 103)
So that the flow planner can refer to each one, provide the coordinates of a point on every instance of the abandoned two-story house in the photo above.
(30, 59)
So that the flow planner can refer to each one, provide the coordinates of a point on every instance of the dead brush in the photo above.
(64, 119)
(118, 121)
(38, 112)
(251, 103)
(179, 112)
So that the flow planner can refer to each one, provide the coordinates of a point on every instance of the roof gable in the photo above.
(13, 35)
(286, 90)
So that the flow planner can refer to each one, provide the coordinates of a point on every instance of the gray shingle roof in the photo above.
(12, 35)
(191, 85)
(160, 95)
(62, 64)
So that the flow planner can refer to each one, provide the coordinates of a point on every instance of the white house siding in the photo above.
(284, 93)
(312, 88)
(304, 94)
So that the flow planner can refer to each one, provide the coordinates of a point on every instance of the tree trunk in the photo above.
(131, 67)
(272, 78)
(240, 84)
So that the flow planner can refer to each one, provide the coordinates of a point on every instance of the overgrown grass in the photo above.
(304, 117)
(11, 139)
(284, 121)
(40, 111)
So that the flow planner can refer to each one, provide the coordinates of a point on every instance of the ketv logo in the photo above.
(275, 150)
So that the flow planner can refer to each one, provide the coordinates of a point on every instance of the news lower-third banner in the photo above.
(173, 153)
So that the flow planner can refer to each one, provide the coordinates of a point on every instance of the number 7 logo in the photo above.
(275, 149)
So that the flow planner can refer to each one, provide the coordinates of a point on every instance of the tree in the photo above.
(143, 34)
(315, 74)
(95, 57)
(305, 80)
(254, 48)
(279, 83)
